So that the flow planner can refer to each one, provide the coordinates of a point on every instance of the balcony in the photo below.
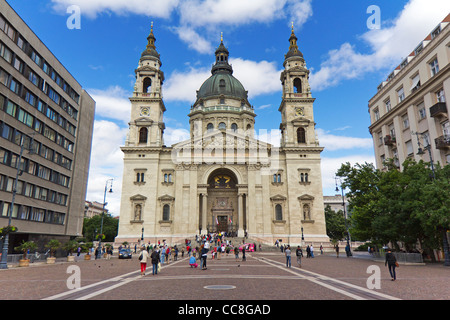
(443, 142)
(439, 109)
(389, 141)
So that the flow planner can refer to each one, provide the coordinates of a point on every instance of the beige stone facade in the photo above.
(409, 113)
(222, 178)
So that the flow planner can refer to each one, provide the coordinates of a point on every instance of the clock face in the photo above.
(145, 111)
(300, 111)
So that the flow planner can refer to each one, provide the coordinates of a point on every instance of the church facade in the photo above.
(222, 178)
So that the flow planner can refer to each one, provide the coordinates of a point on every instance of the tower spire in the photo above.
(293, 47)
(150, 49)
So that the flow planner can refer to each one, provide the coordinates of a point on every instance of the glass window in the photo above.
(434, 66)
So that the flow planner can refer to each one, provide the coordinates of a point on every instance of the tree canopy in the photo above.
(391, 206)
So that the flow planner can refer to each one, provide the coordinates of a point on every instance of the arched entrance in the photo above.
(222, 211)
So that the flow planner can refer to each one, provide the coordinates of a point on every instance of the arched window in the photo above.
(146, 85)
(165, 177)
(140, 177)
(301, 135)
(274, 178)
(222, 126)
(170, 177)
(306, 177)
(297, 85)
(278, 212)
(278, 177)
(209, 127)
(166, 212)
(234, 127)
(222, 83)
(143, 133)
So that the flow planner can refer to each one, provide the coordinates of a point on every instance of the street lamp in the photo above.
(4, 259)
(349, 252)
(428, 148)
(108, 182)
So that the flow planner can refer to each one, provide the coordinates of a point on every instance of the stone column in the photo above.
(204, 212)
(241, 215)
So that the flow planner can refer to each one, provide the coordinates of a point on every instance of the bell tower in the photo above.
(146, 126)
(297, 119)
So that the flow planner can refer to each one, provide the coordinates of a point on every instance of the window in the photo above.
(36, 58)
(140, 177)
(6, 53)
(434, 67)
(146, 85)
(422, 111)
(166, 212)
(33, 78)
(277, 177)
(376, 114)
(304, 177)
(380, 138)
(409, 148)
(234, 127)
(440, 97)
(222, 126)
(209, 127)
(297, 85)
(401, 95)
(278, 212)
(14, 86)
(301, 135)
(143, 134)
(405, 121)
(415, 83)
(388, 105)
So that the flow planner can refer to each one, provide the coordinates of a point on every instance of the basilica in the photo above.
(222, 178)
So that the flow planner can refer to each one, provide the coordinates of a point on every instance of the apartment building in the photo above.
(409, 113)
(46, 119)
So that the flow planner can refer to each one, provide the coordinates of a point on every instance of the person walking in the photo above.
(391, 262)
(143, 256)
(155, 261)
(204, 254)
(337, 250)
(243, 253)
(163, 255)
(299, 254)
(287, 253)
(236, 253)
(308, 251)
(311, 250)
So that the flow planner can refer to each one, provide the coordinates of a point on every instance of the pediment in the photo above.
(278, 197)
(138, 197)
(166, 197)
(223, 139)
(306, 197)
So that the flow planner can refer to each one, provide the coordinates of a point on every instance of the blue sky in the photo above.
(347, 62)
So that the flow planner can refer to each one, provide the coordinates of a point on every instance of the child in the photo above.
(192, 262)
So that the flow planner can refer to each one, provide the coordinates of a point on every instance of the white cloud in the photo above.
(182, 86)
(175, 135)
(106, 163)
(388, 44)
(193, 39)
(333, 142)
(258, 78)
(112, 103)
(331, 165)
(92, 8)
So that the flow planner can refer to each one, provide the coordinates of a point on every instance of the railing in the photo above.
(438, 109)
(442, 142)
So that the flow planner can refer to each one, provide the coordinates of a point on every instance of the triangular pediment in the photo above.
(138, 197)
(306, 197)
(278, 197)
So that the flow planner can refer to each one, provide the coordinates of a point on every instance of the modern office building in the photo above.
(222, 179)
(409, 113)
(46, 120)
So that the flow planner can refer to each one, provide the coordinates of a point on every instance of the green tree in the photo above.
(335, 224)
(110, 225)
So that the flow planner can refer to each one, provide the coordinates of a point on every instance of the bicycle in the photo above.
(38, 255)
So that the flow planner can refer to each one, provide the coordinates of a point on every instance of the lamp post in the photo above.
(303, 238)
(349, 251)
(428, 148)
(4, 259)
(99, 253)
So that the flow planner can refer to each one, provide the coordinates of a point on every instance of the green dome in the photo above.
(222, 83)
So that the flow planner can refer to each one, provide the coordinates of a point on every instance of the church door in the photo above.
(222, 223)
